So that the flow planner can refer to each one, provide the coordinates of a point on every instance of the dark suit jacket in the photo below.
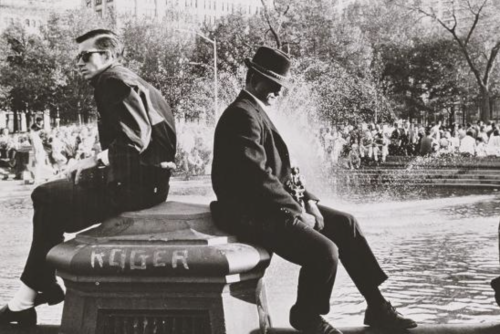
(135, 124)
(250, 167)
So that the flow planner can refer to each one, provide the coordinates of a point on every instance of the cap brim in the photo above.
(284, 83)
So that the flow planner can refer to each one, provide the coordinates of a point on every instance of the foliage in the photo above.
(159, 54)
(426, 75)
(72, 93)
(375, 61)
(38, 70)
(473, 25)
(236, 37)
(341, 96)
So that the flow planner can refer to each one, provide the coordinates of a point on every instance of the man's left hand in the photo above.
(312, 209)
(77, 168)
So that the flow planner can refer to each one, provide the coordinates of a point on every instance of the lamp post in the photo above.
(79, 112)
(58, 118)
(214, 43)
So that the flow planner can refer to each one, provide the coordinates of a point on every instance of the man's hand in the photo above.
(308, 219)
(168, 165)
(77, 168)
(312, 209)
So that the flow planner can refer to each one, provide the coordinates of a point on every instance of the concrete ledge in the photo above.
(422, 329)
(43, 329)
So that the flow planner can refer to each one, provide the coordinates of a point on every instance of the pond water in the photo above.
(438, 246)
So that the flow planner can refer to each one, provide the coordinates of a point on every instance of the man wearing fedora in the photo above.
(256, 200)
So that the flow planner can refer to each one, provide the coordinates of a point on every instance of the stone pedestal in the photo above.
(167, 269)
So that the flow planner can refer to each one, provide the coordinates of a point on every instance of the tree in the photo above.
(161, 55)
(237, 38)
(473, 26)
(425, 75)
(72, 94)
(340, 96)
(38, 71)
(28, 75)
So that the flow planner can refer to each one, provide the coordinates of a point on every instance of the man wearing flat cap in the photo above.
(257, 199)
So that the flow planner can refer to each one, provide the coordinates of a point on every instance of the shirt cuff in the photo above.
(104, 157)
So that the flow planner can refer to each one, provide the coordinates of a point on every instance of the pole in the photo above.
(216, 92)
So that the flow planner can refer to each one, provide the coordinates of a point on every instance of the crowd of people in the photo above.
(350, 146)
(44, 154)
(347, 146)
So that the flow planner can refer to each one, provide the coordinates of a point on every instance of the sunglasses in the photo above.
(85, 55)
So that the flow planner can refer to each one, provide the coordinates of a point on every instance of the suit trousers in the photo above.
(61, 207)
(318, 252)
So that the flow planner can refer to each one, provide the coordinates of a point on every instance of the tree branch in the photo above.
(271, 28)
(491, 62)
(462, 45)
(476, 20)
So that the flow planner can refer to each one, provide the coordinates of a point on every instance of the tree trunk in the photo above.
(16, 121)
(484, 105)
(452, 115)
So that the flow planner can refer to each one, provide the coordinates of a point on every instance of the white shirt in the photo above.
(467, 145)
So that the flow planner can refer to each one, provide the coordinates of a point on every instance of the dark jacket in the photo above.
(135, 124)
(251, 165)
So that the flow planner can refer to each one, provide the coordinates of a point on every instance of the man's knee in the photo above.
(329, 255)
(40, 194)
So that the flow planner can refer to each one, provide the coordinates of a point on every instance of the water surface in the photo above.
(438, 246)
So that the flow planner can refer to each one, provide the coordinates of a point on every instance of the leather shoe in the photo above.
(52, 296)
(311, 324)
(386, 316)
(495, 284)
(22, 318)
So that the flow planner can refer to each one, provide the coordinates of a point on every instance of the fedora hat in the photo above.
(272, 64)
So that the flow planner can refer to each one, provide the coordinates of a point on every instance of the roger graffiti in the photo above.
(138, 259)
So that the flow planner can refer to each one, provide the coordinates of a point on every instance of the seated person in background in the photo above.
(426, 143)
(7, 152)
(467, 145)
(454, 142)
(338, 146)
(85, 144)
(354, 158)
(7, 145)
(23, 148)
(195, 162)
(38, 124)
(57, 152)
(493, 147)
(444, 145)
(480, 147)
(366, 146)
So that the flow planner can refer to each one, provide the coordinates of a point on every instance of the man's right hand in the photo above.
(308, 219)
(73, 173)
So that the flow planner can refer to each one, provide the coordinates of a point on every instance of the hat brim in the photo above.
(283, 82)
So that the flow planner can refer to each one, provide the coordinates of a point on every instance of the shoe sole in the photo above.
(391, 327)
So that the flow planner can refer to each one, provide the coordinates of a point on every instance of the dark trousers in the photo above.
(61, 206)
(318, 253)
